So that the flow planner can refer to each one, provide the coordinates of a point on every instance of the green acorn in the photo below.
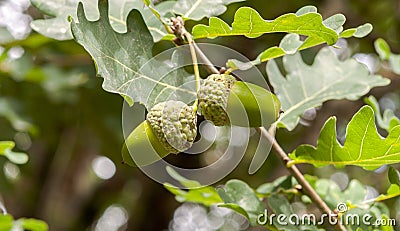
(223, 100)
(170, 127)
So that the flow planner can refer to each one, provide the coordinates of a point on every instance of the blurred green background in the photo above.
(52, 105)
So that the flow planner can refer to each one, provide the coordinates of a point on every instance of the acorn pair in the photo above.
(170, 127)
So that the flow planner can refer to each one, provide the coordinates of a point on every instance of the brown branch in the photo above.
(306, 187)
(210, 68)
(178, 28)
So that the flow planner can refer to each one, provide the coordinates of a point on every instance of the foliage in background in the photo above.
(52, 108)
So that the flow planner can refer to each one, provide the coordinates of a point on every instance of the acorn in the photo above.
(223, 100)
(170, 128)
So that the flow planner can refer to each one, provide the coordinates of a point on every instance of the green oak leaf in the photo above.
(386, 121)
(10, 109)
(359, 32)
(394, 176)
(239, 197)
(387, 227)
(309, 86)
(196, 193)
(392, 192)
(249, 23)
(33, 224)
(198, 9)
(292, 43)
(120, 59)
(383, 50)
(182, 180)
(331, 193)
(206, 195)
(353, 196)
(281, 205)
(363, 147)
(6, 222)
(58, 27)
(171, 80)
(15, 157)
(282, 183)
(374, 213)
(394, 189)
(289, 44)
(275, 52)
(306, 9)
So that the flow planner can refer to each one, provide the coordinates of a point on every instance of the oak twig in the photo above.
(294, 171)
(306, 188)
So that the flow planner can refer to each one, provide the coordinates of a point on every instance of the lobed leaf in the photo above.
(275, 52)
(58, 27)
(292, 43)
(281, 183)
(33, 224)
(392, 192)
(281, 205)
(206, 195)
(184, 181)
(6, 222)
(374, 213)
(333, 195)
(386, 121)
(238, 196)
(387, 227)
(383, 50)
(249, 23)
(394, 176)
(363, 147)
(359, 32)
(394, 189)
(198, 9)
(289, 44)
(196, 193)
(309, 86)
(353, 196)
(123, 60)
(15, 157)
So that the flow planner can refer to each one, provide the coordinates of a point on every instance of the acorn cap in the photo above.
(223, 100)
(170, 127)
(174, 124)
(213, 98)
